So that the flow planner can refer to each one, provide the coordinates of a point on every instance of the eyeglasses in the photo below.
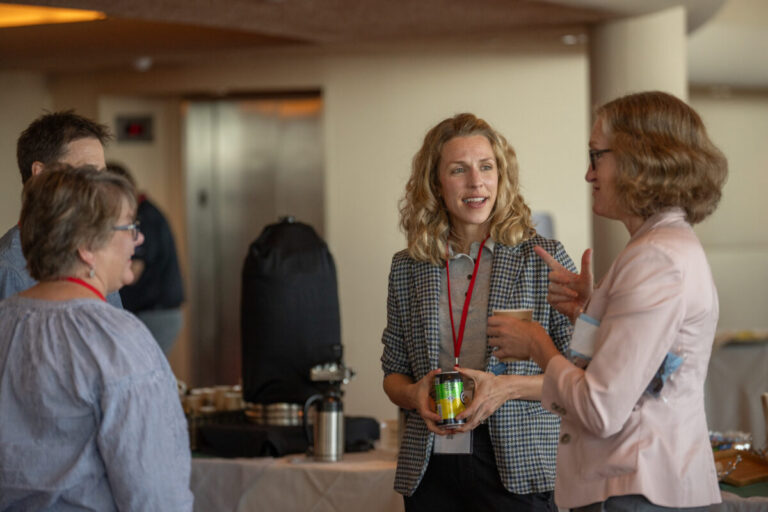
(594, 154)
(133, 228)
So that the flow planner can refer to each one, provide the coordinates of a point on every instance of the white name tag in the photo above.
(459, 443)
(582, 345)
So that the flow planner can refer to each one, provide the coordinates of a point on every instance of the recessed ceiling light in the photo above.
(12, 15)
(143, 63)
(573, 39)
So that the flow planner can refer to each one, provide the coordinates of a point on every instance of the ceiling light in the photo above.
(143, 63)
(573, 39)
(21, 15)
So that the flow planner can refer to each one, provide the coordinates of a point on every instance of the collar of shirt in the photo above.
(473, 248)
(667, 216)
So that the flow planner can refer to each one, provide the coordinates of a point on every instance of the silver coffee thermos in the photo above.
(328, 438)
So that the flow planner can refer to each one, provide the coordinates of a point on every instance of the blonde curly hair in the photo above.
(664, 156)
(423, 216)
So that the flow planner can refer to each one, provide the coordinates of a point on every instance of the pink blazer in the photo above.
(657, 297)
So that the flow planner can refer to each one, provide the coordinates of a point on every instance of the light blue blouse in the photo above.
(89, 413)
(14, 277)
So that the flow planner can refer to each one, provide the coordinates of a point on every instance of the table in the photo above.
(362, 481)
(737, 376)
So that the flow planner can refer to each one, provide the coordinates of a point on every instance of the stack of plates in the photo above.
(283, 413)
(280, 413)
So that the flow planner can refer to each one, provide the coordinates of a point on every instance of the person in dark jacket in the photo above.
(157, 292)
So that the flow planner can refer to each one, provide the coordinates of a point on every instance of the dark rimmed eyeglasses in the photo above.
(594, 154)
(133, 228)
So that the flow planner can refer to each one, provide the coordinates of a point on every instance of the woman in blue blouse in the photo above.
(89, 414)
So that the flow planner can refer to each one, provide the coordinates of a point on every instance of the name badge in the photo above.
(583, 340)
(459, 443)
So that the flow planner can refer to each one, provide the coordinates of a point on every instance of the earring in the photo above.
(91, 273)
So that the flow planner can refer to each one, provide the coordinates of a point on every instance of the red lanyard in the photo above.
(79, 281)
(458, 340)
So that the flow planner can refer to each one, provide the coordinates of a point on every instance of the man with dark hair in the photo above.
(58, 137)
(63, 137)
(156, 294)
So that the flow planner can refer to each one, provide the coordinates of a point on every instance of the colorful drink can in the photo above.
(449, 391)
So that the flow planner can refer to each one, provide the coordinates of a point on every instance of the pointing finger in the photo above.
(551, 262)
(586, 263)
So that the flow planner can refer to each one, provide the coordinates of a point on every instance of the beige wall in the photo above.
(24, 97)
(736, 236)
(377, 109)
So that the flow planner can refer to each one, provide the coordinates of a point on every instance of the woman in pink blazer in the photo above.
(631, 398)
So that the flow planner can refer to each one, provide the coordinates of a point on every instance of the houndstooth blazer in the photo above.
(524, 435)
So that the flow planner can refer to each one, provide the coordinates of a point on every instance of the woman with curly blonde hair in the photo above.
(470, 252)
(632, 402)
(423, 216)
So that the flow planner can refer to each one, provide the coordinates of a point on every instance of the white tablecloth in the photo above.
(360, 482)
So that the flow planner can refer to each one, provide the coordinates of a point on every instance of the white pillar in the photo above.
(632, 55)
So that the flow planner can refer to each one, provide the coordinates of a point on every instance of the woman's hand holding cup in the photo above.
(520, 314)
(509, 331)
(520, 340)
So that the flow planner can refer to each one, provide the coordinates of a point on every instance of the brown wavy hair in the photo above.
(664, 156)
(423, 216)
(65, 208)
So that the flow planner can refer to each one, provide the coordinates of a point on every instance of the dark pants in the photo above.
(633, 503)
(471, 482)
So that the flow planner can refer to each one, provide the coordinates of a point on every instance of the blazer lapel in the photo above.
(426, 286)
(507, 264)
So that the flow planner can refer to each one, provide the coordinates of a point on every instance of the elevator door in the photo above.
(248, 163)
